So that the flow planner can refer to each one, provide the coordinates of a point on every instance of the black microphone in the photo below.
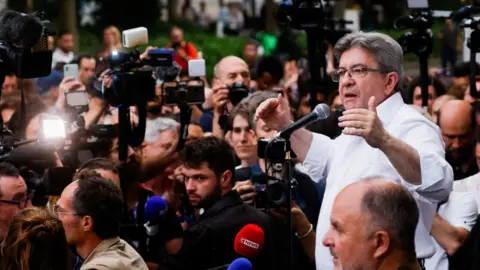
(321, 111)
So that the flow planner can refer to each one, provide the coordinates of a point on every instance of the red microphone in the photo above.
(249, 241)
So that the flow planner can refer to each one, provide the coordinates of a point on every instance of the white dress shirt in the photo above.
(348, 159)
(60, 56)
(469, 184)
(459, 211)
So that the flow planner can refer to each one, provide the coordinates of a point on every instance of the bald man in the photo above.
(372, 226)
(457, 122)
(229, 70)
(438, 103)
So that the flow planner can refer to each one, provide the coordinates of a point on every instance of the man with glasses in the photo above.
(382, 136)
(90, 209)
(13, 196)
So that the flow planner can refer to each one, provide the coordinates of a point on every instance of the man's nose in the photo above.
(456, 143)
(189, 185)
(328, 240)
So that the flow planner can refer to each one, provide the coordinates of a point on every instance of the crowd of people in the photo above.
(381, 183)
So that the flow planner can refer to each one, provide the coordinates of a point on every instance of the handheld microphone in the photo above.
(240, 264)
(321, 111)
(155, 209)
(249, 241)
(237, 264)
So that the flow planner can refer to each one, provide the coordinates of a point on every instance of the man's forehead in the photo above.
(12, 184)
(355, 56)
(233, 65)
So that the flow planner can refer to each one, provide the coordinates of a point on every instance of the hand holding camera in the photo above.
(219, 97)
(246, 190)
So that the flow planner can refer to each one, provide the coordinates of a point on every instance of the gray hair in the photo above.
(155, 126)
(391, 208)
(388, 52)
(254, 100)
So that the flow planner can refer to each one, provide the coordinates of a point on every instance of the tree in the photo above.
(68, 18)
(270, 24)
(172, 10)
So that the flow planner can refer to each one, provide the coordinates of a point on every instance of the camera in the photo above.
(24, 45)
(236, 92)
(191, 91)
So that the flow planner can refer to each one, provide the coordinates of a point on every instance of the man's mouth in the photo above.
(350, 95)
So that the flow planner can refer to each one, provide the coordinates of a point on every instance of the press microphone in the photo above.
(155, 210)
(240, 264)
(237, 264)
(321, 111)
(249, 241)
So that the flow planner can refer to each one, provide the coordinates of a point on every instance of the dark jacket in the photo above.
(210, 242)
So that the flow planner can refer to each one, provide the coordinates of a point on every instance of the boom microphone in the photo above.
(249, 241)
(321, 111)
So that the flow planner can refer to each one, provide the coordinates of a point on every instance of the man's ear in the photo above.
(382, 243)
(226, 179)
(391, 83)
(87, 224)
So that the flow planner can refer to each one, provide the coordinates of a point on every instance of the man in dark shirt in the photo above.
(456, 119)
(208, 168)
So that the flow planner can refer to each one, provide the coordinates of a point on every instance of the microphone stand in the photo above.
(281, 154)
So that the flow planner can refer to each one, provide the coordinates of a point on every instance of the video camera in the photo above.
(24, 45)
(184, 92)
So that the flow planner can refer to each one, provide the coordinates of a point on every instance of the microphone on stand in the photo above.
(321, 111)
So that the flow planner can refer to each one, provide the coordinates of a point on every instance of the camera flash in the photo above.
(53, 128)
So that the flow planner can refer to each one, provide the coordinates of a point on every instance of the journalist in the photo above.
(382, 136)
(208, 171)
(90, 209)
(227, 71)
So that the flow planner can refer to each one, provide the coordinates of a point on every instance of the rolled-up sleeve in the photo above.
(436, 173)
(316, 161)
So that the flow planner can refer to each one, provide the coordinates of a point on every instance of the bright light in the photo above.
(53, 128)
(114, 53)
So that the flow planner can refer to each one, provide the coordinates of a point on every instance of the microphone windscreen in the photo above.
(155, 207)
(240, 264)
(249, 241)
(323, 110)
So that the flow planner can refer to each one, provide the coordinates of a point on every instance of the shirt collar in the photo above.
(104, 245)
(389, 107)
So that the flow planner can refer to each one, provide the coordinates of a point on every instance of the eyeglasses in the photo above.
(356, 72)
(22, 203)
(56, 210)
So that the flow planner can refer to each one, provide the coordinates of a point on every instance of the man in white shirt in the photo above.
(451, 226)
(64, 51)
(382, 137)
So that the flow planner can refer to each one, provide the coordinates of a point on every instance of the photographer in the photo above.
(184, 51)
(382, 136)
(228, 70)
